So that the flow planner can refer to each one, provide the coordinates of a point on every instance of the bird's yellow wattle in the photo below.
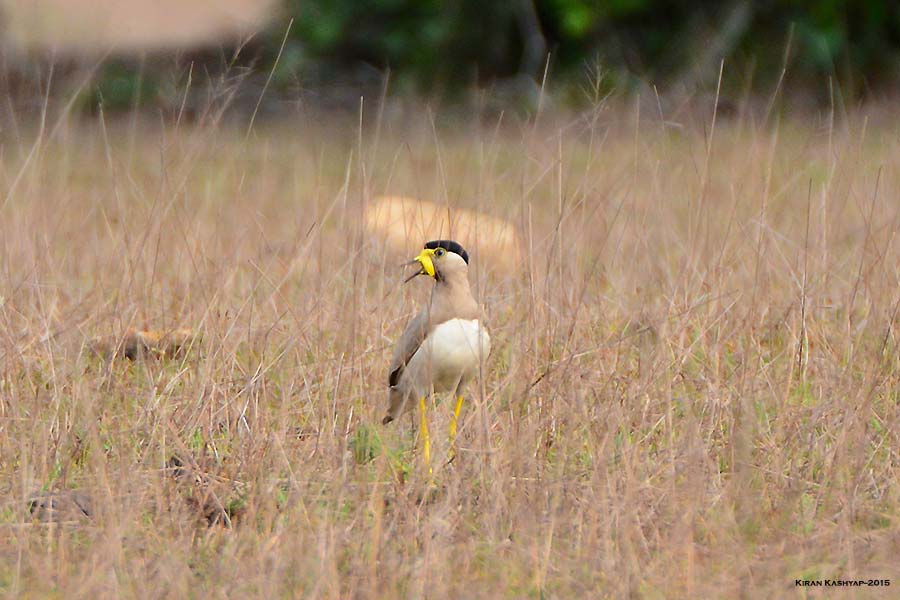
(424, 259)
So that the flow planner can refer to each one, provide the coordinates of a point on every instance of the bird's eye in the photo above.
(439, 252)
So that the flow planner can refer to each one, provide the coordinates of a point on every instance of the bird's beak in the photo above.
(425, 262)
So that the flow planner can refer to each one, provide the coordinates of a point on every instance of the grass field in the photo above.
(693, 390)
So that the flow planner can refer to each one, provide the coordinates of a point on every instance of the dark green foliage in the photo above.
(423, 42)
(433, 44)
(121, 86)
(443, 48)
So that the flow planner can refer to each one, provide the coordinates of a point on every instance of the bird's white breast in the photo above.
(451, 352)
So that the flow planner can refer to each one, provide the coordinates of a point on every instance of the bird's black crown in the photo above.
(449, 246)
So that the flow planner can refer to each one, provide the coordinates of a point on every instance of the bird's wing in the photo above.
(409, 342)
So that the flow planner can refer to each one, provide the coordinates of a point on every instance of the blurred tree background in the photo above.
(448, 48)
(428, 42)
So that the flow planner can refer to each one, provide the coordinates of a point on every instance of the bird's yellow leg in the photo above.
(456, 409)
(423, 431)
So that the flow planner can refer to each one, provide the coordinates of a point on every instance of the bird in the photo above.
(444, 345)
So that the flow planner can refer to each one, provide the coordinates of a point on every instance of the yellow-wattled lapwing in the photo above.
(443, 346)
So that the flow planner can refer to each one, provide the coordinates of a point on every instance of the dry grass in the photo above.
(693, 390)
(402, 223)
